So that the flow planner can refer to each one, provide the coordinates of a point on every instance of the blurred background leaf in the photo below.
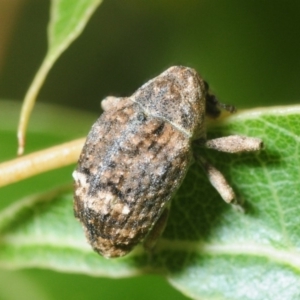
(67, 21)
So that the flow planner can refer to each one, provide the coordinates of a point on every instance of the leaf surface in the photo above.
(208, 250)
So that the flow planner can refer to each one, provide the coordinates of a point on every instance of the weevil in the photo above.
(137, 155)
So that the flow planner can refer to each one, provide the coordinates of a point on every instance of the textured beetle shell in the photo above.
(134, 159)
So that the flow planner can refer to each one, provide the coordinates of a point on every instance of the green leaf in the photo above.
(208, 250)
(68, 18)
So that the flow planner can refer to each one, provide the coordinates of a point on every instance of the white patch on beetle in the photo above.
(137, 155)
(125, 210)
(80, 178)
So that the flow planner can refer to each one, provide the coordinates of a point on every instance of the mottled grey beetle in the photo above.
(137, 155)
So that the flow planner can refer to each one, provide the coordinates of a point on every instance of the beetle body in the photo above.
(135, 157)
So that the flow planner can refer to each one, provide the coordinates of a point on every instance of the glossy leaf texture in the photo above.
(208, 250)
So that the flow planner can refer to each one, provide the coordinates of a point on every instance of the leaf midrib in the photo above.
(287, 257)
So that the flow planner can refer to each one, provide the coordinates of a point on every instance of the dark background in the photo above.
(249, 52)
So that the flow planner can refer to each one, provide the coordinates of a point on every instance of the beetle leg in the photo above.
(109, 102)
(156, 230)
(234, 144)
(217, 180)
